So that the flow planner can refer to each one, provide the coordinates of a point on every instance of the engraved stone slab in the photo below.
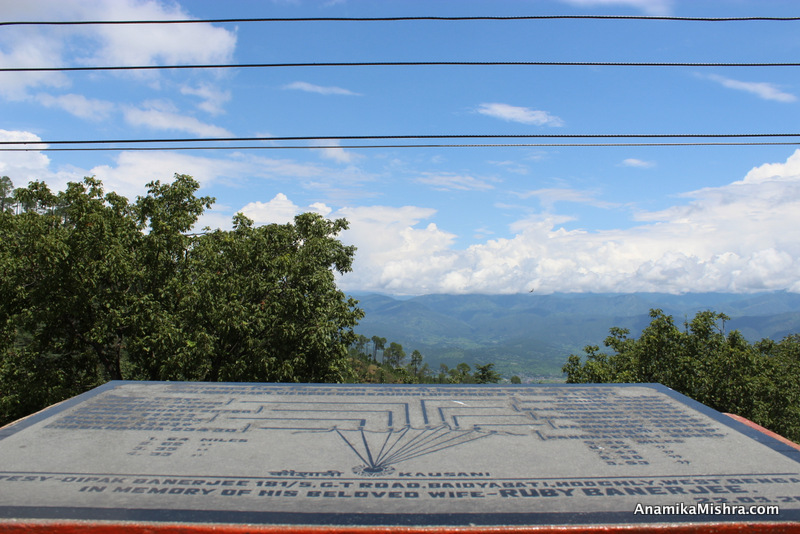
(392, 455)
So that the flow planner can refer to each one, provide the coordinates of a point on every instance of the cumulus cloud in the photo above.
(736, 237)
(391, 248)
(99, 45)
(28, 49)
(23, 167)
(319, 89)
(280, 210)
(152, 44)
(132, 170)
(766, 91)
(523, 115)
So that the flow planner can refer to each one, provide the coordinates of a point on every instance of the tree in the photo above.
(265, 302)
(360, 346)
(516, 380)
(444, 372)
(460, 374)
(485, 374)
(95, 288)
(377, 344)
(416, 362)
(394, 355)
(6, 189)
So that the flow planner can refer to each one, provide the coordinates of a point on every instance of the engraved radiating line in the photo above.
(386, 458)
(416, 443)
(366, 446)
(439, 447)
(432, 446)
(351, 447)
(389, 435)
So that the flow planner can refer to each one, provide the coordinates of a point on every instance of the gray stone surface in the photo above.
(391, 455)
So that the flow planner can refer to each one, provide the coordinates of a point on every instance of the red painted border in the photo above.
(763, 430)
(61, 527)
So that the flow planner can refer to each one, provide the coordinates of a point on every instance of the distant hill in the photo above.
(532, 335)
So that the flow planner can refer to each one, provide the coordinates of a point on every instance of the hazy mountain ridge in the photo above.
(532, 335)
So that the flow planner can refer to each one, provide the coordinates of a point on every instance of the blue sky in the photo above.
(444, 220)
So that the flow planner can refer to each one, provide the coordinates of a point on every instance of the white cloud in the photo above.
(633, 162)
(162, 115)
(446, 181)
(392, 250)
(28, 49)
(330, 151)
(99, 45)
(651, 7)
(523, 115)
(154, 44)
(319, 89)
(550, 196)
(766, 91)
(213, 98)
(737, 237)
(23, 167)
(280, 210)
(85, 108)
(767, 172)
(132, 170)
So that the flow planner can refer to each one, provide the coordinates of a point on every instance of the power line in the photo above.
(400, 64)
(439, 145)
(397, 19)
(323, 138)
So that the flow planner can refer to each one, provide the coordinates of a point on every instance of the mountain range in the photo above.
(532, 335)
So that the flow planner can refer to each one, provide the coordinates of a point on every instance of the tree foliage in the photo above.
(758, 381)
(95, 288)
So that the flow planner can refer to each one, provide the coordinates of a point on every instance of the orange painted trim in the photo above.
(763, 430)
(61, 527)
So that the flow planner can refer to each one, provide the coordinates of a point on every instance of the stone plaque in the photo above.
(280, 454)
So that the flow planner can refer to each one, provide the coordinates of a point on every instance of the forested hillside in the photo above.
(530, 334)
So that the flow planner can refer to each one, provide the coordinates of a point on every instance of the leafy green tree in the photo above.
(95, 288)
(265, 302)
(394, 355)
(516, 380)
(485, 374)
(360, 345)
(424, 374)
(6, 189)
(460, 374)
(444, 372)
(378, 343)
(416, 362)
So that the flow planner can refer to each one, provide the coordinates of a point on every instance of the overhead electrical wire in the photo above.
(402, 64)
(397, 19)
(351, 147)
(27, 144)
(324, 138)
(202, 143)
